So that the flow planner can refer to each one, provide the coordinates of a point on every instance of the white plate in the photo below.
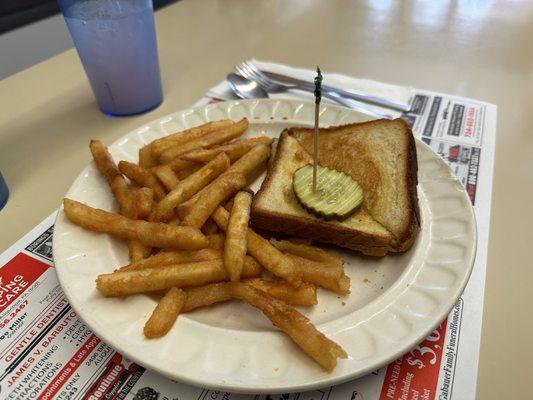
(395, 303)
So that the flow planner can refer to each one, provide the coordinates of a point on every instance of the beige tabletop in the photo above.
(478, 49)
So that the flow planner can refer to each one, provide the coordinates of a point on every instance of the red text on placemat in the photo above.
(415, 375)
(69, 368)
(16, 276)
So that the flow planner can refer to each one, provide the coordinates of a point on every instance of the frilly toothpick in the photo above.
(318, 97)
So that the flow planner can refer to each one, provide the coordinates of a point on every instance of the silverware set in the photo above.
(252, 83)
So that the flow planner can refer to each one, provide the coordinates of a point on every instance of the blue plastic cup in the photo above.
(117, 45)
(4, 193)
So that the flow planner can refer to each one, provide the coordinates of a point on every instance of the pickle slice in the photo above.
(337, 194)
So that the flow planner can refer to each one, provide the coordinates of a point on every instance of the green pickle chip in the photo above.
(337, 194)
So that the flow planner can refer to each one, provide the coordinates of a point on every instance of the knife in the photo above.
(349, 93)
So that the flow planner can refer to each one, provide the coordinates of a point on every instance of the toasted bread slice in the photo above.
(380, 155)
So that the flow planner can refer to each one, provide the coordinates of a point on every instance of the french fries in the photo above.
(272, 259)
(209, 227)
(237, 149)
(132, 205)
(175, 202)
(144, 202)
(304, 295)
(251, 161)
(165, 313)
(146, 160)
(138, 251)
(142, 177)
(218, 136)
(229, 204)
(314, 343)
(221, 189)
(160, 145)
(235, 245)
(149, 233)
(323, 275)
(246, 165)
(175, 275)
(190, 185)
(305, 251)
(167, 176)
(107, 167)
(267, 255)
(201, 155)
(186, 172)
(216, 241)
(203, 296)
(179, 165)
(168, 257)
(234, 150)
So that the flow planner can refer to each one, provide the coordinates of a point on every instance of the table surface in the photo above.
(478, 49)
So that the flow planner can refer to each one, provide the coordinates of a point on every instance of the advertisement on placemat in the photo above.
(462, 159)
(453, 127)
(447, 118)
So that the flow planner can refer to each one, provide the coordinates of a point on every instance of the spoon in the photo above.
(245, 88)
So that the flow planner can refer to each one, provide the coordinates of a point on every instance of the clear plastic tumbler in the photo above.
(117, 45)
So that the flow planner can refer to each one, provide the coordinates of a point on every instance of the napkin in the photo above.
(393, 92)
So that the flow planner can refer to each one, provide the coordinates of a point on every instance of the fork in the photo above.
(250, 71)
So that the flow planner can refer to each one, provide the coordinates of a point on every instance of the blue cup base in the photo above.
(119, 115)
(3, 200)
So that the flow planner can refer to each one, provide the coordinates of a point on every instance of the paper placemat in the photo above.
(47, 352)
